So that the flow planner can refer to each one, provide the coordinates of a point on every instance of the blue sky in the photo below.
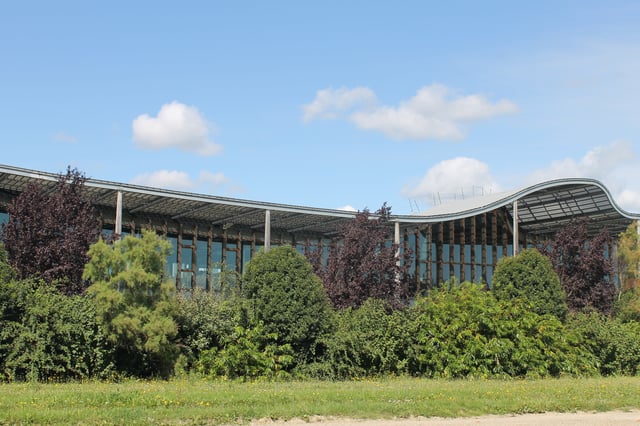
(325, 104)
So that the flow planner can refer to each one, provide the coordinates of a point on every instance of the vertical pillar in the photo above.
(429, 257)
(452, 251)
(118, 225)
(396, 241)
(416, 256)
(463, 242)
(267, 230)
(484, 247)
(516, 239)
(473, 248)
(440, 251)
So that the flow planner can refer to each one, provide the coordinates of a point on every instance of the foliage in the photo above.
(615, 343)
(288, 299)
(465, 331)
(627, 306)
(49, 232)
(7, 273)
(133, 303)
(372, 340)
(363, 265)
(204, 321)
(530, 276)
(248, 354)
(629, 256)
(46, 335)
(585, 270)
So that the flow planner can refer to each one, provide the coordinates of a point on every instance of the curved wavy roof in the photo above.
(542, 208)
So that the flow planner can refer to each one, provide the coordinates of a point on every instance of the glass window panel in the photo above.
(246, 254)
(171, 268)
(216, 256)
(185, 279)
(467, 272)
(231, 257)
(186, 258)
(201, 264)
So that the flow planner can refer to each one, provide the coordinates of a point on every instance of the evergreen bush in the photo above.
(288, 299)
(530, 275)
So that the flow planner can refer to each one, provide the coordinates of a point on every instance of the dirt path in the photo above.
(546, 419)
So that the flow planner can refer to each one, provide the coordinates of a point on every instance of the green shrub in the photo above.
(248, 354)
(204, 321)
(288, 299)
(627, 307)
(371, 340)
(614, 343)
(530, 275)
(133, 303)
(465, 331)
(45, 335)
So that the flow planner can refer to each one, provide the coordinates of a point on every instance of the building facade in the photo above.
(214, 237)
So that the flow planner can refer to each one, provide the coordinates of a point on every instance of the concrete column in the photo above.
(118, 226)
(516, 238)
(267, 230)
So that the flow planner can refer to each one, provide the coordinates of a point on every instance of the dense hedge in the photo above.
(459, 330)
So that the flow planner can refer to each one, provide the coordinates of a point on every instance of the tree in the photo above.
(364, 265)
(49, 233)
(530, 276)
(584, 267)
(134, 302)
(288, 299)
(629, 256)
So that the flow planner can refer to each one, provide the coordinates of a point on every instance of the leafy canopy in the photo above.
(287, 298)
(530, 276)
(364, 264)
(133, 302)
(49, 232)
(585, 270)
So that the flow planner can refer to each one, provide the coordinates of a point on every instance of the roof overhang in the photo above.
(542, 208)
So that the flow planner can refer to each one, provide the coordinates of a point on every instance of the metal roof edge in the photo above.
(512, 196)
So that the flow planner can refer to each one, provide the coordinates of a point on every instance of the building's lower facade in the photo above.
(214, 237)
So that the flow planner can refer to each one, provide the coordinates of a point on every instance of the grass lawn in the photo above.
(206, 402)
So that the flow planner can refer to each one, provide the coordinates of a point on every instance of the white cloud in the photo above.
(602, 162)
(213, 178)
(331, 103)
(430, 114)
(176, 126)
(170, 179)
(616, 165)
(455, 178)
(348, 208)
(206, 182)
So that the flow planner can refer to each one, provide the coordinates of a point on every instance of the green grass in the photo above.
(206, 402)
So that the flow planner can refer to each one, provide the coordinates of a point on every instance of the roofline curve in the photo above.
(509, 198)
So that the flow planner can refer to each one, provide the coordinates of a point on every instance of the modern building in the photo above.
(214, 235)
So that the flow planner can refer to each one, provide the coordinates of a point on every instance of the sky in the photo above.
(332, 104)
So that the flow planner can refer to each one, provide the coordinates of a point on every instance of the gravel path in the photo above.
(547, 419)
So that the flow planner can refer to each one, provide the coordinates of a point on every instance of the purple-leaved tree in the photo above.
(364, 264)
(49, 232)
(585, 270)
